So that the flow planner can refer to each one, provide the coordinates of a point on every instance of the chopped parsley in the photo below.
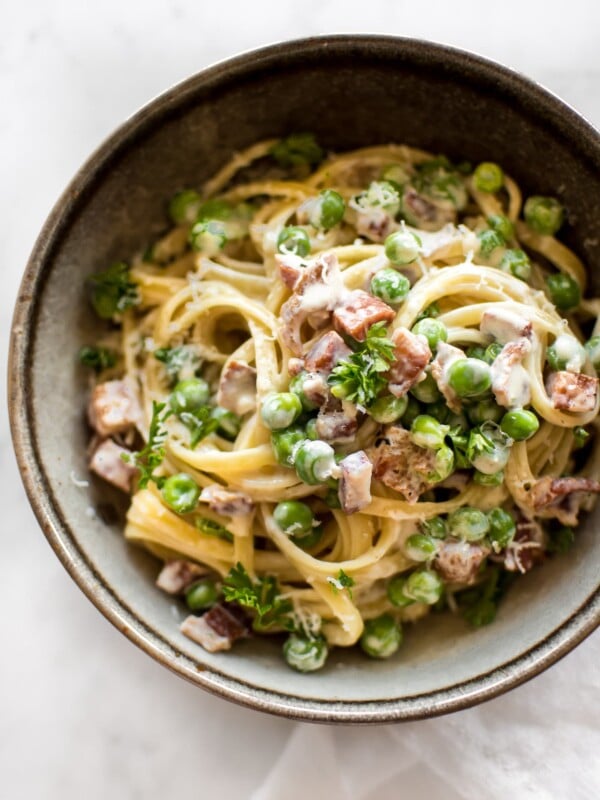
(360, 377)
(341, 582)
(480, 604)
(212, 528)
(176, 358)
(113, 291)
(150, 457)
(201, 423)
(97, 358)
(262, 595)
(297, 149)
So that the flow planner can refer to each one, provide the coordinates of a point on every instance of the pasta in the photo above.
(345, 392)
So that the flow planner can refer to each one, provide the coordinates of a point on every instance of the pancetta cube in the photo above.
(113, 408)
(107, 463)
(326, 353)
(355, 482)
(412, 355)
(358, 311)
(569, 391)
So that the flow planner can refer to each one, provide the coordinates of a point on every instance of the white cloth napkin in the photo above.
(538, 742)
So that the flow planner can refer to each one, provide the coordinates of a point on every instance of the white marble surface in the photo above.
(83, 713)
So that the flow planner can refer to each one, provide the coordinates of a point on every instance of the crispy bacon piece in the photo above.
(176, 576)
(237, 387)
(107, 463)
(459, 562)
(317, 289)
(336, 421)
(505, 325)
(375, 224)
(113, 408)
(326, 353)
(526, 549)
(412, 355)
(569, 391)
(358, 311)
(445, 356)
(218, 629)
(401, 464)
(561, 498)
(510, 382)
(430, 216)
(223, 501)
(355, 482)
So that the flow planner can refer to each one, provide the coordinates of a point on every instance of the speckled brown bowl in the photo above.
(349, 90)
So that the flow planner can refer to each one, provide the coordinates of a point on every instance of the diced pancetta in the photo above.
(358, 311)
(375, 224)
(400, 464)
(412, 355)
(526, 549)
(176, 576)
(505, 325)
(326, 353)
(113, 408)
(217, 629)
(569, 391)
(355, 482)
(107, 463)
(237, 387)
(561, 498)
(510, 381)
(224, 501)
(459, 562)
(425, 214)
(295, 366)
(337, 422)
(445, 356)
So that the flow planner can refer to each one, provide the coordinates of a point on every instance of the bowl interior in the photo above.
(349, 92)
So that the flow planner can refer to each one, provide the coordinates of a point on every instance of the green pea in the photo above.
(560, 540)
(181, 493)
(488, 448)
(468, 523)
(502, 225)
(432, 310)
(280, 410)
(381, 637)
(332, 498)
(293, 517)
(388, 409)
(517, 263)
(543, 214)
(381, 194)
(229, 423)
(293, 240)
(443, 465)
(311, 429)
(469, 377)
(433, 330)
(305, 654)
(488, 241)
(488, 177)
(189, 395)
(396, 592)
(314, 461)
(502, 527)
(492, 351)
(297, 388)
(427, 432)
(424, 586)
(208, 236)
(484, 411)
(439, 410)
(566, 352)
(285, 442)
(420, 547)
(402, 247)
(564, 291)
(395, 174)
(413, 409)
(520, 424)
(184, 206)
(328, 210)
(201, 595)
(494, 479)
(390, 286)
(308, 540)
(434, 526)
(426, 390)
(476, 351)
(215, 209)
(592, 347)
(580, 437)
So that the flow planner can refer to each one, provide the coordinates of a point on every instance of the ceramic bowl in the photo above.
(350, 91)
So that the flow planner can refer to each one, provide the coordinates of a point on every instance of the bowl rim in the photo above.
(22, 416)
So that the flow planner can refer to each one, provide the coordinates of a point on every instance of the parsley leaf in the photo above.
(341, 582)
(560, 540)
(296, 149)
(212, 528)
(360, 377)
(261, 595)
(113, 291)
(152, 455)
(97, 358)
(175, 358)
(200, 423)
